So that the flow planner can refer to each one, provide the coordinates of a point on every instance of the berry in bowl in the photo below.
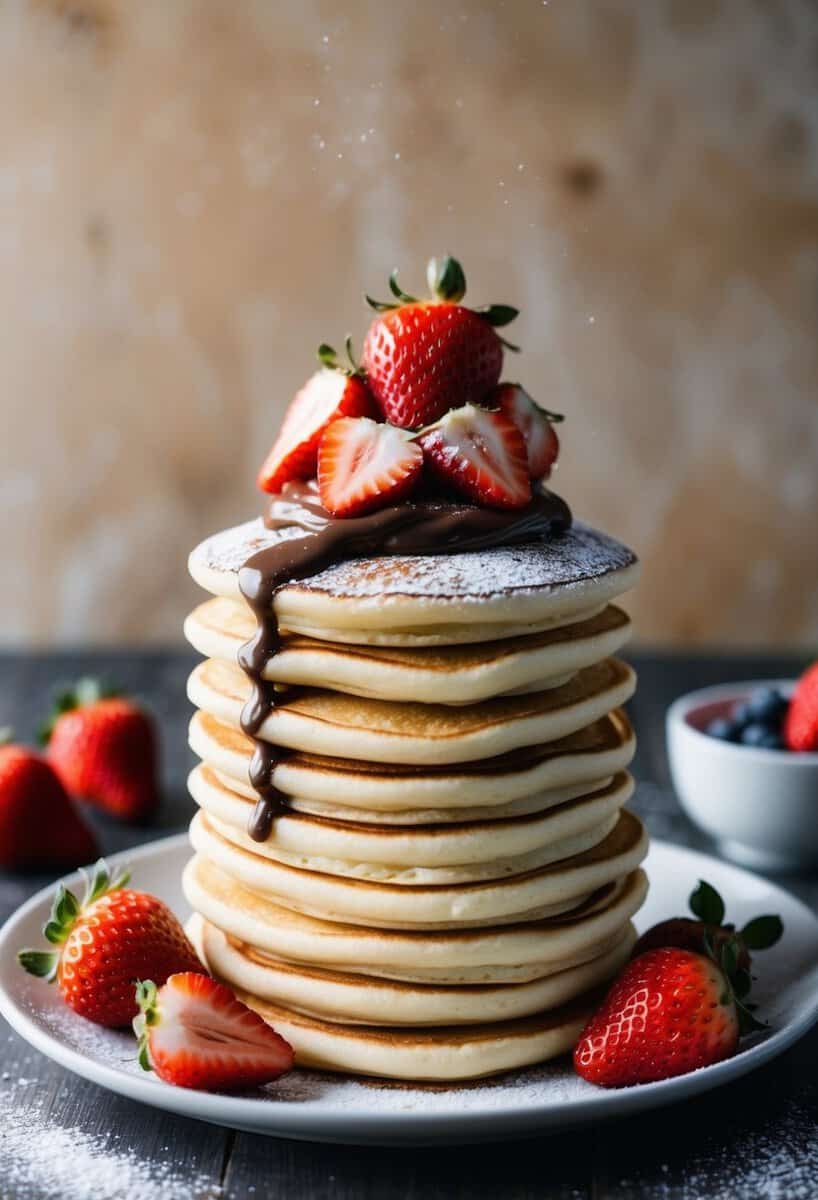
(744, 763)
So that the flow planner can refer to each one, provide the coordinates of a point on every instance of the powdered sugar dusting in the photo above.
(580, 555)
(42, 1160)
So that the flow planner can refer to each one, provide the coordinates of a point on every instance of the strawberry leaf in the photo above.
(42, 963)
(762, 932)
(742, 983)
(706, 904)
(64, 912)
(498, 314)
(398, 292)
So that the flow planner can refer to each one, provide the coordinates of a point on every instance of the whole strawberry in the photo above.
(424, 357)
(39, 826)
(801, 721)
(104, 749)
(194, 1033)
(104, 944)
(669, 1012)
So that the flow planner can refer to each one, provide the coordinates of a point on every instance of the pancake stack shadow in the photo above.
(455, 875)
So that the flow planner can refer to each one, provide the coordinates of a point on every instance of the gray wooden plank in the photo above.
(531, 1170)
(62, 1138)
(756, 1139)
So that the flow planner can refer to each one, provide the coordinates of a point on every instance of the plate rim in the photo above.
(299, 1120)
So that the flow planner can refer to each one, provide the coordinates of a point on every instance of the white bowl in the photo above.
(761, 806)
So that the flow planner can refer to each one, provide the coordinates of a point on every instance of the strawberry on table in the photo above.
(534, 423)
(481, 454)
(103, 747)
(194, 1033)
(330, 393)
(801, 721)
(363, 466)
(39, 825)
(105, 943)
(423, 357)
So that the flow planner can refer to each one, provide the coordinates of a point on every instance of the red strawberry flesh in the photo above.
(363, 466)
(481, 454)
(325, 397)
(542, 443)
(205, 1038)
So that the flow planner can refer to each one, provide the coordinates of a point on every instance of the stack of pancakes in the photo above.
(455, 874)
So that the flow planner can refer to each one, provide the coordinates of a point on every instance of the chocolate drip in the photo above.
(424, 527)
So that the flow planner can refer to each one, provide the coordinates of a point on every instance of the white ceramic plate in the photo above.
(328, 1108)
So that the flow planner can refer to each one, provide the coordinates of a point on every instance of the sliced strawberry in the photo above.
(542, 443)
(329, 394)
(194, 1033)
(481, 454)
(363, 466)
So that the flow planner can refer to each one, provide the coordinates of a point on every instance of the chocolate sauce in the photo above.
(423, 527)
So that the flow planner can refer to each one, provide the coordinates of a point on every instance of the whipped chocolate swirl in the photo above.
(420, 527)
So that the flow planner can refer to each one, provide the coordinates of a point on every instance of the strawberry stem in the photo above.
(65, 909)
(85, 691)
(446, 279)
(148, 1016)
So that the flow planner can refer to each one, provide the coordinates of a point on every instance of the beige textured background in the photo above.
(193, 193)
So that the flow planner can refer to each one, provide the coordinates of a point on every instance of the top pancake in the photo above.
(432, 599)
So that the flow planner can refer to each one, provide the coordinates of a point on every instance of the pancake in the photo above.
(445, 675)
(422, 876)
(366, 1000)
(301, 840)
(511, 954)
(443, 1054)
(398, 793)
(384, 905)
(336, 725)
(478, 596)
(417, 854)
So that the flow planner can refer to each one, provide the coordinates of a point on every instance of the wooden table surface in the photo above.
(757, 1137)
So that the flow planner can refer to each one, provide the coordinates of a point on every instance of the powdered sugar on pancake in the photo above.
(580, 555)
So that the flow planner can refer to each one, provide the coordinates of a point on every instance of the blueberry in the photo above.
(772, 741)
(767, 705)
(755, 734)
(742, 715)
(722, 729)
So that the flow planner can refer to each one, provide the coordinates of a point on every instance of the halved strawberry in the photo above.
(533, 422)
(329, 394)
(481, 454)
(363, 466)
(194, 1033)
